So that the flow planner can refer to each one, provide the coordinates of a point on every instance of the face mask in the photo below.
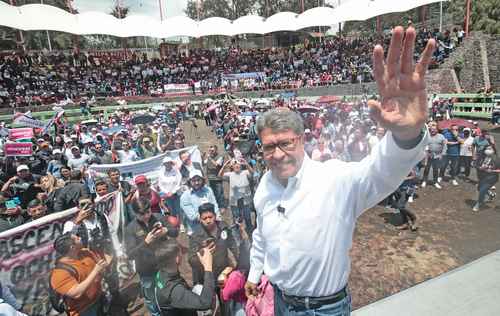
(489, 152)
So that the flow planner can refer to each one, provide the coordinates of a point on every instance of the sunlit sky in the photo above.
(146, 7)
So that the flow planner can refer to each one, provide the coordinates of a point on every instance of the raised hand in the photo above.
(403, 98)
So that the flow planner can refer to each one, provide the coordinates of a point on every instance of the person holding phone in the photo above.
(77, 276)
(173, 296)
(10, 214)
(147, 233)
(215, 235)
(240, 191)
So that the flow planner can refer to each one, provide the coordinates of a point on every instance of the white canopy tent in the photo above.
(44, 17)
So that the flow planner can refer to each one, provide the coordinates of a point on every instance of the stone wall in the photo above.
(493, 53)
(474, 67)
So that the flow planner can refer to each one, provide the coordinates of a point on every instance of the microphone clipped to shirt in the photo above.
(281, 210)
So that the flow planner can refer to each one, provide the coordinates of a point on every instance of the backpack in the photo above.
(168, 287)
(56, 299)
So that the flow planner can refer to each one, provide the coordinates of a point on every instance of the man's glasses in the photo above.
(287, 145)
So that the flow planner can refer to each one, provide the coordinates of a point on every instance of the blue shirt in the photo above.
(191, 201)
(451, 150)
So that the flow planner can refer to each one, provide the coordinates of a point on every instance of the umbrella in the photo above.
(328, 99)
(458, 122)
(240, 103)
(158, 107)
(142, 119)
(113, 130)
(308, 109)
(248, 113)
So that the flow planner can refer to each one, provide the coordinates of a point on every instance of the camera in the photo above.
(99, 242)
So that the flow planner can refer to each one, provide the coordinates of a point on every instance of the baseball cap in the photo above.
(307, 130)
(56, 151)
(22, 167)
(140, 179)
(75, 147)
(195, 173)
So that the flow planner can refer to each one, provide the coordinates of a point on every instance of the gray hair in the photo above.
(280, 120)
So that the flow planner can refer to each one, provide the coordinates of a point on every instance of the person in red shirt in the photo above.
(144, 190)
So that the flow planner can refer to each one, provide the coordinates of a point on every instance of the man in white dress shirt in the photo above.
(307, 210)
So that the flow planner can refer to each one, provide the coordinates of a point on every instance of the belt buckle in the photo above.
(306, 302)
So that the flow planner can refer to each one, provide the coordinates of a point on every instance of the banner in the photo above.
(16, 134)
(245, 75)
(26, 119)
(148, 167)
(26, 258)
(54, 119)
(27, 255)
(18, 149)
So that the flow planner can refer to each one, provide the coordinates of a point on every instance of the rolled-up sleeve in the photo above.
(380, 173)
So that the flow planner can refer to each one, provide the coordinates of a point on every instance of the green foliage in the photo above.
(269, 7)
(220, 8)
(485, 15)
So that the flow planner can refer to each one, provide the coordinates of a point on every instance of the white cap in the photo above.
(75, 147)
(167, 159)
(307, 130)
(22, 167)
(195, 173)
(56, 151)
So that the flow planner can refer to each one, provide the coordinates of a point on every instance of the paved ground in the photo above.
(386, 260)
(473, 289)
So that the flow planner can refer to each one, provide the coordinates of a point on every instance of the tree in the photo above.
(229, 9)
(484, 16)
(120, 12)
(270, 7)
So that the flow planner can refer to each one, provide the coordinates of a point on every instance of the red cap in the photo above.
(140, 179)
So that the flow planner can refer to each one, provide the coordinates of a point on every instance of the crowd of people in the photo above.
(188, 196)
(37, 78)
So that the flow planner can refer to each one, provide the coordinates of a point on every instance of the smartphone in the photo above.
(207, 242)
(10, 204)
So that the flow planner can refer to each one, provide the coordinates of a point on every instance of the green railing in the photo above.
(473, 105)
(466, 105)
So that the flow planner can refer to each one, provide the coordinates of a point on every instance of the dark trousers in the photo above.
(484, 185)
(453, 162)
(218, 189)
(465, 162)
(401, 198)
(435, 163)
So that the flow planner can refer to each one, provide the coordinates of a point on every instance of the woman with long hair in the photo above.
(51, 188)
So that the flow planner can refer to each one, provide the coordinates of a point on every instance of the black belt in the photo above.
(314, 302)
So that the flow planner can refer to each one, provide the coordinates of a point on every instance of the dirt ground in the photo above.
(386, 260)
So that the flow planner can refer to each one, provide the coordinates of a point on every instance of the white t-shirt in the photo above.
(127, 156)
(466, 147)
(239, 187)
(78, 163)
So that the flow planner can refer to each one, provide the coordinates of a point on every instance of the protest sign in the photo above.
(19, 134)
(25, 119)
(18, 149)
(148, 167)
(27, 255)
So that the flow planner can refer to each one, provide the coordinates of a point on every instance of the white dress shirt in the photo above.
(169, 181)
(305, 251)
